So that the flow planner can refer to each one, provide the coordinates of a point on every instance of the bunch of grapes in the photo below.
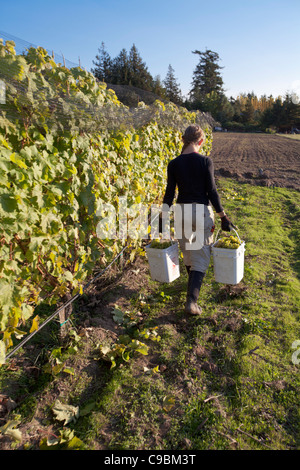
(231, 242)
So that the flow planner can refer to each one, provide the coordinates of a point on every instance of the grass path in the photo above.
(226, 380)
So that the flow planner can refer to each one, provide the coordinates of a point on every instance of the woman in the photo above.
(193, 174)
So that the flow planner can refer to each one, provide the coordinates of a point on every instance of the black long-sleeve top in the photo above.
(193, 174)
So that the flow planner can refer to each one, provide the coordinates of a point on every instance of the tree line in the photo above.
(128, 68)
(246, 112)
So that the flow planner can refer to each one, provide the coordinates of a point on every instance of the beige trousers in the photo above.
(198, 259)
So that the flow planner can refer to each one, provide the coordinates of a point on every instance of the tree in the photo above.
(103, 65)
(225, 112)
(173, 92)
(125, 69)
(248, 112)
(283, 115)
(206, 77)
(158, 87)
(120, 69)
(291, 112)
(138, 71)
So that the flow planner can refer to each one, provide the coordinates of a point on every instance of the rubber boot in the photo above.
(193, 289)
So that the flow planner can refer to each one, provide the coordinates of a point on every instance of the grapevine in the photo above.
(64, 147)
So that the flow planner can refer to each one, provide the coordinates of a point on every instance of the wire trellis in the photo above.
(65, 305)
(21, 46)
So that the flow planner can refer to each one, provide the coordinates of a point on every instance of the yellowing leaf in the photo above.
(18, 161)
(35, 324)
(140, 347)
(7, 339)
(168, 402)
(69, 370)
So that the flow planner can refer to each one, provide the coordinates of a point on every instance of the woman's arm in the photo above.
(171, 186)
(212, 189)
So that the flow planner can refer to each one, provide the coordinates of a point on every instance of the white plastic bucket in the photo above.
(163, 263)
(229, 263)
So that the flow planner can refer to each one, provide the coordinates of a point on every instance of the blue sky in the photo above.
(257, 40)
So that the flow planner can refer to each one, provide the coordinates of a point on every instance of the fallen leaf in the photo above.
(9, 430)
(168, 402)
(66, 413)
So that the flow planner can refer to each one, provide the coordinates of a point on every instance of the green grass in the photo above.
(290, 136)
(222, 381)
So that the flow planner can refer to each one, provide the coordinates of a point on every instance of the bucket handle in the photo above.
(230, 230)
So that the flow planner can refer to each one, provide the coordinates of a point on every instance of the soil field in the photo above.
(261, 159)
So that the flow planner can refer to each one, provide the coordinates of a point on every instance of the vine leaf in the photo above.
(65, 441)
(118, 315)
(168, 402)
(9, 429)
(35, 324)
(66, 413)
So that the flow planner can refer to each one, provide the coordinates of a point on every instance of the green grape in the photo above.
(230, 242)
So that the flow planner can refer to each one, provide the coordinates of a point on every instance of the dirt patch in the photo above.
(260, 159)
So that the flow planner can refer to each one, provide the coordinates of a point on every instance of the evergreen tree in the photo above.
(291, 112)
(138, 72)
(283, 115)
(173, 92)
(120, 69)
(206, 77)
(158, 87)
(103, 65)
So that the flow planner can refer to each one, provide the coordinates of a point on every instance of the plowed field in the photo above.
(260, 159)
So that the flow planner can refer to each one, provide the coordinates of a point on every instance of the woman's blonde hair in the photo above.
(192, 134)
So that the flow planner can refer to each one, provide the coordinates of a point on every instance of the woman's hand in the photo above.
(226, 224)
